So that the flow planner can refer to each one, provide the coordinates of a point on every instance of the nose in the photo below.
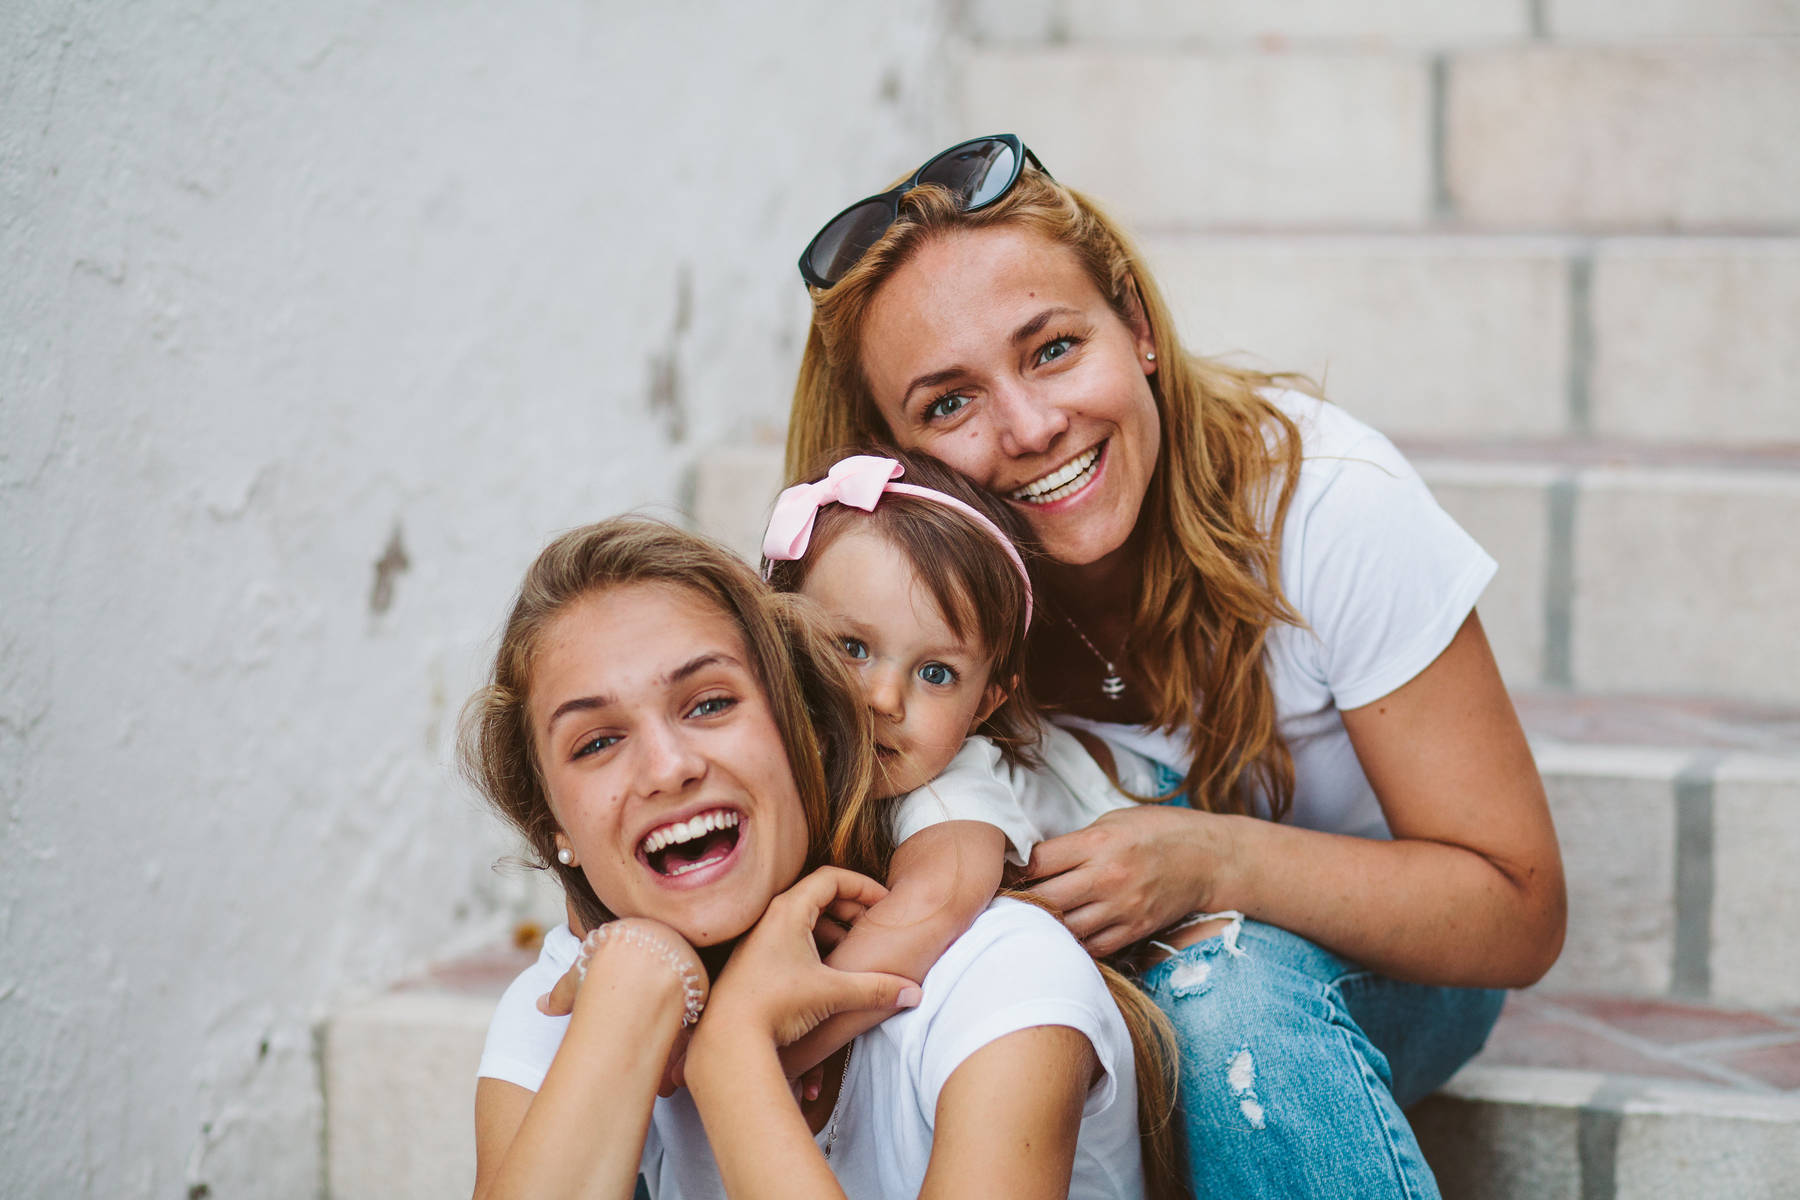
(886, 693)
(1027, 423)
(667, 761)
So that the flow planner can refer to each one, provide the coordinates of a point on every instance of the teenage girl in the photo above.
(930, 601)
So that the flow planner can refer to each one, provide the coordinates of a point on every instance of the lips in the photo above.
(1066, 480)
(702, 840)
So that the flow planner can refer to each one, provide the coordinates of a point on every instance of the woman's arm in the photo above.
(1469, 892)
(939, 881)
(582, 1134)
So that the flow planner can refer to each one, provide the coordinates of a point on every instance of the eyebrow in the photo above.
(687, 669)
(1023, 333)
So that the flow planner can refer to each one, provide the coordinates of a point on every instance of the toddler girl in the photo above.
(930, 602)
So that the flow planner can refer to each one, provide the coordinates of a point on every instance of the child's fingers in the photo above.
(1055, 855)
(560, 1000)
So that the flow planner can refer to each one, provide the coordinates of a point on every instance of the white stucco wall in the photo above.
(282, 287)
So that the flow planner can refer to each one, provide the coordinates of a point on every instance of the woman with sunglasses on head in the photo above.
(672, 738)
(1245, 583)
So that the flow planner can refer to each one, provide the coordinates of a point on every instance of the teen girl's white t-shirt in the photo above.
(1382, 577)
(1028, 804)
(1016, 968)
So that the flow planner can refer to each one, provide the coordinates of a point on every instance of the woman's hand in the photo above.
(1132, 872)
(559, 1001)
(775, 984)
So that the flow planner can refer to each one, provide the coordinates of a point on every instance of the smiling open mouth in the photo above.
(684, 846)
(1066, 480)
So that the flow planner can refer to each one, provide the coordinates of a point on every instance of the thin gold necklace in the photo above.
(1113, 685)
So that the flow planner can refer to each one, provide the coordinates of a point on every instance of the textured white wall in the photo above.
(286, 290)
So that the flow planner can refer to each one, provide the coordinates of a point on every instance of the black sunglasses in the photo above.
(977, 172)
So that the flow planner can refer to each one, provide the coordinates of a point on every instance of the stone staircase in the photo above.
(1552, 247)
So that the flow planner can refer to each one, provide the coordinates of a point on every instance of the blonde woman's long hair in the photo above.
(1209, 590)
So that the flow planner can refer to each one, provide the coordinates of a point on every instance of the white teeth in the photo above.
(1061, 482)
(687, 831)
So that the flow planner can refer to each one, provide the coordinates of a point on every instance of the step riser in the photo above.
(1500, 1134)
(1394, 22)
(1596, 565)
(400, 1096)
(1657, 340)
(1637, 580)
(1652, 138)
(1680, 874)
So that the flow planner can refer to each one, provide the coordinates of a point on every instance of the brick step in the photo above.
(1573, 1090)
(1648, 137)
(1583, 1095)
(1604, 551)
(1458, 336)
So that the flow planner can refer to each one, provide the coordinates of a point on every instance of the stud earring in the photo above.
(1149, 356)
(566, 857)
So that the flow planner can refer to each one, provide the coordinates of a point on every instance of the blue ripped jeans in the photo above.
(1295, 1065)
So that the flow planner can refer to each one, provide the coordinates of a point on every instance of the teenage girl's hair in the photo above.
(977, 589)
(1210, 590)
(820, 715)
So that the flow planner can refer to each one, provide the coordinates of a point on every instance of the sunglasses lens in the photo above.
(978, 172)
(841, 244)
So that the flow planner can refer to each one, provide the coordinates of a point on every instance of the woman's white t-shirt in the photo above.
(1382, 577)
(1016, 968)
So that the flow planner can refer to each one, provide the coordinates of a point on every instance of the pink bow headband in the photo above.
(859, 482)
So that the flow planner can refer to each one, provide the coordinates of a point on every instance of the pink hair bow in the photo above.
(859, 481)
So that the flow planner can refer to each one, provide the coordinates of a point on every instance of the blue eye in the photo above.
(712, 706)
(595, 745)
(1055, 349)
(947, 405)
(937, 674)
(853, 648)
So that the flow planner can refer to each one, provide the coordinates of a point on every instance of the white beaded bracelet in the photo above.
(693, 998)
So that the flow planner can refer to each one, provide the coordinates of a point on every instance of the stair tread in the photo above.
(1576, 718)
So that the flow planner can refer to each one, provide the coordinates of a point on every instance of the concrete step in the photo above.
(1577, 1094)
(1654, 136)
(1627, 569)
(1461, 336)
(1432, 23)
(399, 1075)
(1584, 1096)
(1605, 548)
(1679, 835)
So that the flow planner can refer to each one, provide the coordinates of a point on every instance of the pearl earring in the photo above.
(1149, 356)
(566, 857)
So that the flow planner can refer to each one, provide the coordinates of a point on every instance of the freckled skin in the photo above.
(1021, 407)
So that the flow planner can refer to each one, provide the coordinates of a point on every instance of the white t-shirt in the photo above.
(1028, 804)
(1016, 968)
(1382, 577)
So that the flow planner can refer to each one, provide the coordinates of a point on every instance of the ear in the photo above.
(1142, 336)
(991, 699)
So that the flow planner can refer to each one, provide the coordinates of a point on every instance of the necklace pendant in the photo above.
(1113, 686)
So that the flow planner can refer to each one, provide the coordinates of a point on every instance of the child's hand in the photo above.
(776, 986)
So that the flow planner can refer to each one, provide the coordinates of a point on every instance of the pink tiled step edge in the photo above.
(1742, 1049)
